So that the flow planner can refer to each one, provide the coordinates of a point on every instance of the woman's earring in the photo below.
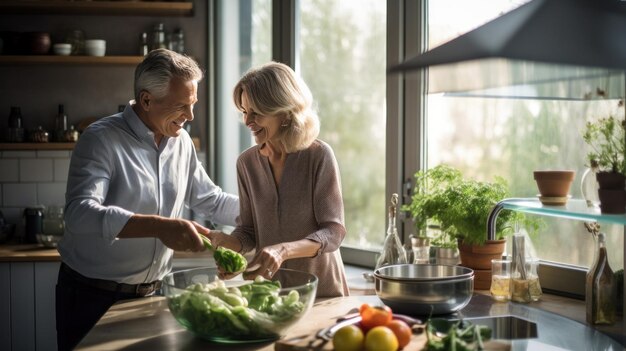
(285, 124)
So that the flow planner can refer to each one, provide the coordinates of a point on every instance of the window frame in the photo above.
(406, 139)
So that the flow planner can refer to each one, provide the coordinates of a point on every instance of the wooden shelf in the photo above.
(117, 8)
(36, 146)
(68, 60)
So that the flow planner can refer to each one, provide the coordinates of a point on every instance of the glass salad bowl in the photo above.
(237, 310)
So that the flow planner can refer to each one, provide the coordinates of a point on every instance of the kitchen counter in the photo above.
(37, 252)
(146, 324)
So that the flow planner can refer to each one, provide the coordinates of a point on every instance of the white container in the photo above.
(62, 49)
(95, 47)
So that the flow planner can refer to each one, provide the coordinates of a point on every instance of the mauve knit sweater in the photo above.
(306, 204)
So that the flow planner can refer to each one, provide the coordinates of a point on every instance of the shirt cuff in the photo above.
(115, 218)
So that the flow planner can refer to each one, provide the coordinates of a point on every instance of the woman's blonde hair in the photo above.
(275, 90)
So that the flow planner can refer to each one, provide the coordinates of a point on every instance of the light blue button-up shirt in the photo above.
(116, 171)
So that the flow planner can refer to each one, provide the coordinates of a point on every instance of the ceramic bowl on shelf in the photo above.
(95, 47)
(239, 311)
(62, 49)
(554, 185)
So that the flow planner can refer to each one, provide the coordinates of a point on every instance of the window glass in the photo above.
(487, 137)
(244, 29)
(342, 59)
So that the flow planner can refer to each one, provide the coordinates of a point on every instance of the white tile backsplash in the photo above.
(31, 178)
(53, 154)
(36, 170)
(51, 194)
(9, 170)
(61, 167)
(19, 194)
(19, 154)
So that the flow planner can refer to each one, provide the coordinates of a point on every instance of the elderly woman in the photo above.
(291, 208)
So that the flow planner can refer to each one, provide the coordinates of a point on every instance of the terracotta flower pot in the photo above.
(480, 256)
(554, 183)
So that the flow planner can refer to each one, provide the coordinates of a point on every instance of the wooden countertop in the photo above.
(39, 253)
(28, 253)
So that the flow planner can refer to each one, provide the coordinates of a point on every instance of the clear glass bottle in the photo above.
(600, 288)
(143, 44)
(393, 252)
(15, 133)
(60, 125)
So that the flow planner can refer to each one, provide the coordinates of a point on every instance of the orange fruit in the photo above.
(402, 331)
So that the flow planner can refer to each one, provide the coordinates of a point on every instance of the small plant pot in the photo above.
(611, 180)
(612, 201)
(478, 257)
(554, 186)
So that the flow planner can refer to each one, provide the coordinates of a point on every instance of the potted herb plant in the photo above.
(461, 207)
(606, 138)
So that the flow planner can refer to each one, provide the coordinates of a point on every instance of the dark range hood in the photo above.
(544, 48)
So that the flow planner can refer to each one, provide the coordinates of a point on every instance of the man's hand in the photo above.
(183, 235)
(175, 233)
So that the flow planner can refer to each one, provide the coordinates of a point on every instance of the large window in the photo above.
(243, 40)
(508, 137)
(342, 59)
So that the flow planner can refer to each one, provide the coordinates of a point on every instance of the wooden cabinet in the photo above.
(27, 305)
(117, 8)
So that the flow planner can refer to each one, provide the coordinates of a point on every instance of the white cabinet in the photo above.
(27, 305)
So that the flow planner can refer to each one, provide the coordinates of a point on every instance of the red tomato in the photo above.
(373, 316)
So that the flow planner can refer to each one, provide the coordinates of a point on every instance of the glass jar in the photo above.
(15, 133)
(589, 188)
(158, 37)
(525, 287)
(77, 39)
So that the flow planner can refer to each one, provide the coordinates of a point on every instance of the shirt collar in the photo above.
(139, 128)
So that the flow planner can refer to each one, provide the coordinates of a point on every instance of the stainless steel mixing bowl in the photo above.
(424, 289)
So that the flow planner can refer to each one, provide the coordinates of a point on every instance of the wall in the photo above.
(29, 178)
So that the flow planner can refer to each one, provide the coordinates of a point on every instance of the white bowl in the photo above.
(62, 49)
(95, 47)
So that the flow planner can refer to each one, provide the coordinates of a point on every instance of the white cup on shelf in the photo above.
(95, 47)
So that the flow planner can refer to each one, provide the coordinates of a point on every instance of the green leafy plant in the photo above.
(460, 206)
(606, 138)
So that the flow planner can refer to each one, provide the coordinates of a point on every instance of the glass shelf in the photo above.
(576, 209)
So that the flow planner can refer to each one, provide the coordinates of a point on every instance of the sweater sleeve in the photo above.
(327, 202)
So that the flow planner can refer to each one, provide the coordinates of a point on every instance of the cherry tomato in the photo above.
(381, 338)
(402, 331)
(373, 316)
(348, 338)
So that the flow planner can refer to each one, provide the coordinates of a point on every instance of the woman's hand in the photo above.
(266, 262)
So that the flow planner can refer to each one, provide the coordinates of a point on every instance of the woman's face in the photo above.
(264, 128)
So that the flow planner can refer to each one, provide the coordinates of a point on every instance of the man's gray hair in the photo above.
(159, 67)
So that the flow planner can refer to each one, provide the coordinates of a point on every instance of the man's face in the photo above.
(167, 115)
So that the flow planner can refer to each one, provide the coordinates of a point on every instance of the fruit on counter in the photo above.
(402, 331)
(381, 338)
(374, 316)
(348, 338)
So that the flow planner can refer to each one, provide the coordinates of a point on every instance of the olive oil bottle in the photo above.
(600, 288)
